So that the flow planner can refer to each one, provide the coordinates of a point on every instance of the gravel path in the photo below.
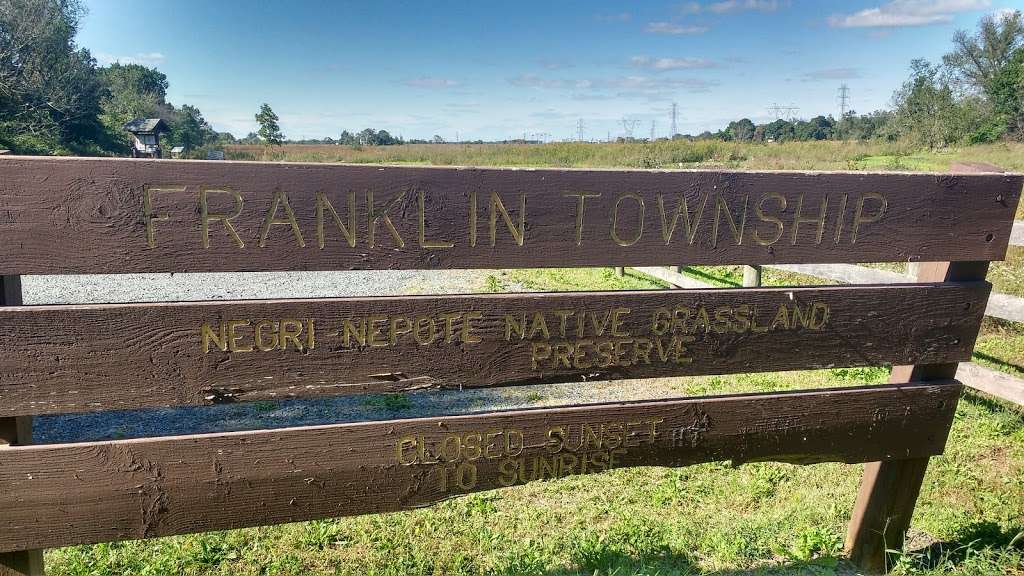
(256, 415)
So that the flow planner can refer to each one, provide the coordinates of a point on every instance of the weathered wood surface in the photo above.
(81, 493)
(77, 215)
(889, 489)
(76, 358)
(1004, 306)
(999, 384)
(14, 431)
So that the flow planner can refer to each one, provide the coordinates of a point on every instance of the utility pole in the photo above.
(674, 130)
(652, 130)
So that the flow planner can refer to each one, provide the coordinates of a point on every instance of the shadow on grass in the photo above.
(999, 361)
(609, 562)
(970, 540)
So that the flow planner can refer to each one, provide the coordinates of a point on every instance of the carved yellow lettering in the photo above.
(218, 338)
(640, 220)
(859, 218)
(374, 215)
(518, 233)
(147, 211)
(280, 199)
(770, 219)
(349, 231)
(424, 243)
(581, 198)
(205, 216)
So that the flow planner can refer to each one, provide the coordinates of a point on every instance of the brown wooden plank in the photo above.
(80, 493)
(889, 490)
(99, 357)
(75, 215)
(14, 431)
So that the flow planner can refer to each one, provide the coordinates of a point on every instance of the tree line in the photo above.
(975, 95)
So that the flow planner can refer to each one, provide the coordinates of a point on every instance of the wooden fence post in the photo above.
(14, 431)
(620, 271)
(889, 490)
(751, 276)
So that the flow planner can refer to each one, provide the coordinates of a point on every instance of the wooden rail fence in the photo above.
(70, 216)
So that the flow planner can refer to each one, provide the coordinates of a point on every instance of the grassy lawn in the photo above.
(719, 519)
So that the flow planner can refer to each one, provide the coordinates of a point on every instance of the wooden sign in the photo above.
(104, 491)
(78, 215)
(96, 357)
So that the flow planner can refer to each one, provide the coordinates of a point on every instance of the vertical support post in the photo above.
(620, 271)
(751, 276)
(679, 269)
(13, 431)
(889, 490)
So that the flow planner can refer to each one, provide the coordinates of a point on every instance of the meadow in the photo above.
(717, 519)
(826, 155)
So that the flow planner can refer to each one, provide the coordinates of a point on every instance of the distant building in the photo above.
(215, 155)
(146, 136)
(177, 151)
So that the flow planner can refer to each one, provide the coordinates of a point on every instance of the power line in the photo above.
(674, 130)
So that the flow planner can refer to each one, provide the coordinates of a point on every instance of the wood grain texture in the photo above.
(16, 431)
(77, 215)
(888, 490)
(59, 495)
(99, 357)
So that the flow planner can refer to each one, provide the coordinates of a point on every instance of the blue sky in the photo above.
(494, 70)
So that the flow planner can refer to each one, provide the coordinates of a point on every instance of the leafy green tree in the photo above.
(817, 128)
(51, 92)
(928, 112)
(190, 130)
(132, 91)
(978, 59)
(740, 130)
(269, 130)
(1007, 93)
(779, 131)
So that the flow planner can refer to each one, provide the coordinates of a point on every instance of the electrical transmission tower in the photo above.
(674, 130)
(628, 126)
(844, 101)
(652, 130)
(783, 112)
(579, 130)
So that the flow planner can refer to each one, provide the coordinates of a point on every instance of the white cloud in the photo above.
(431, 82)
(900, 13)
(732, 6)
(729, 6)
(666, 64)
(144, 58)
(673, 29)
(831, 74)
